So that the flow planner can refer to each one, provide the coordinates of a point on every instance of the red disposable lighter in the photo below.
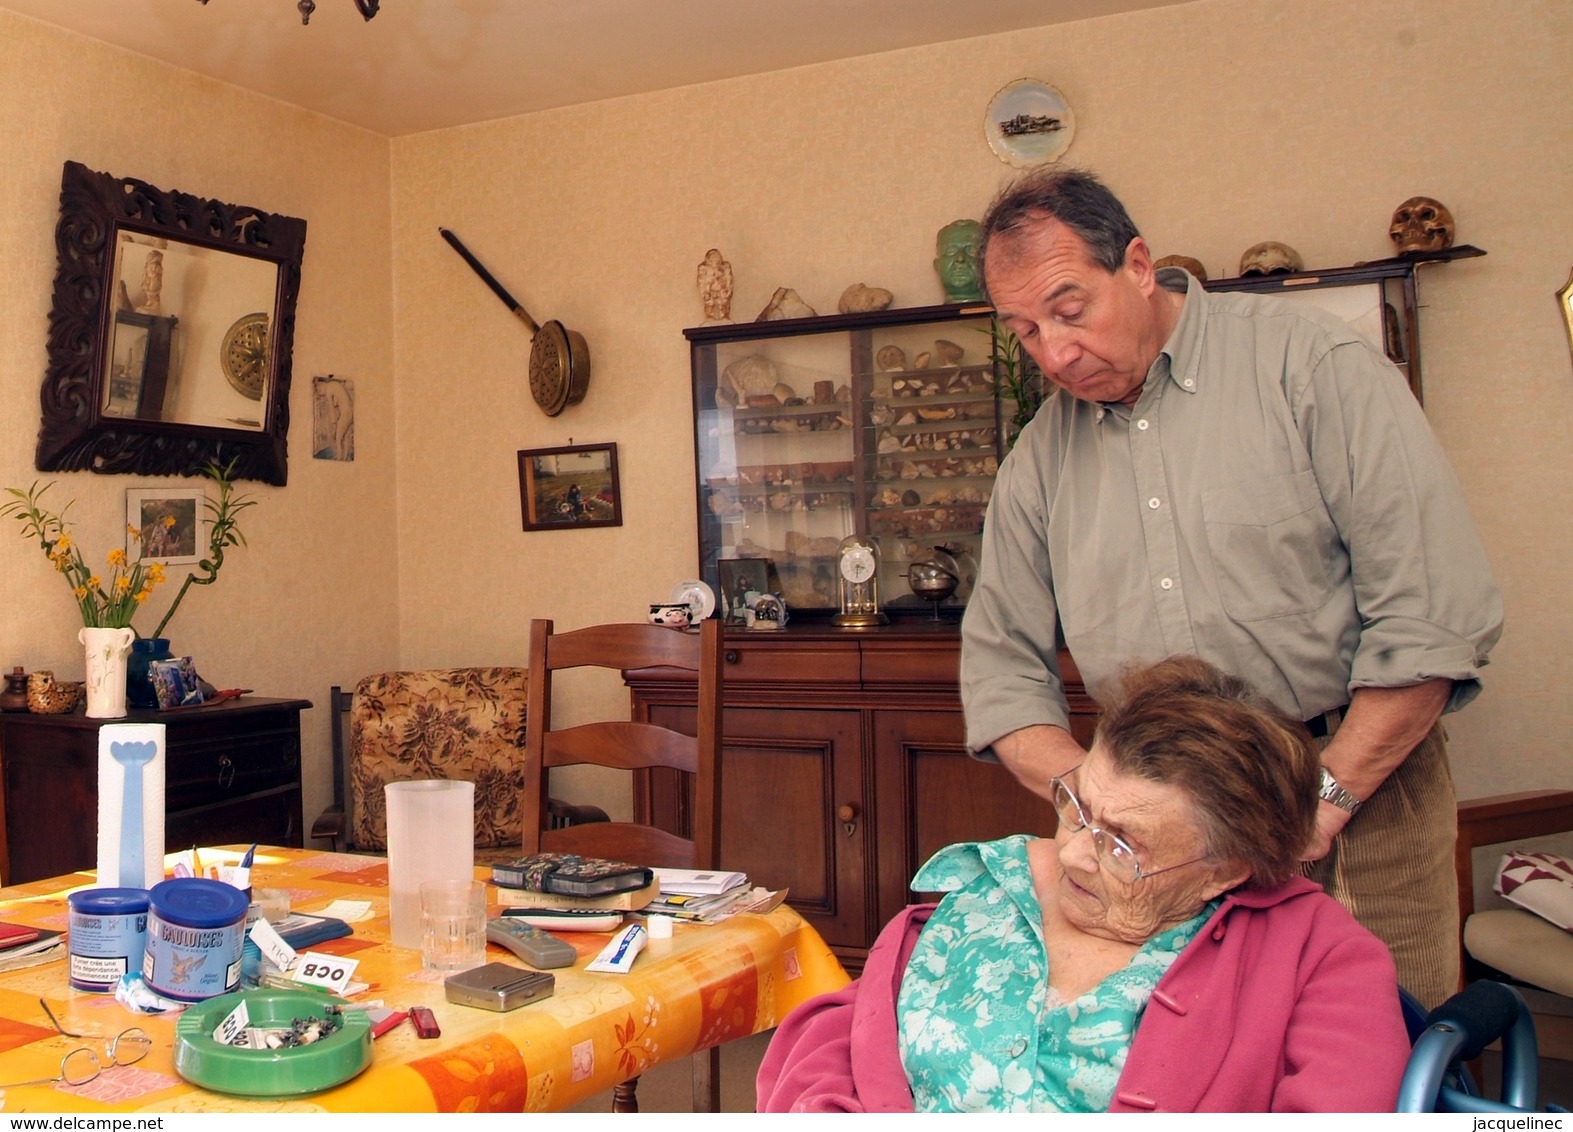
(425, 1022)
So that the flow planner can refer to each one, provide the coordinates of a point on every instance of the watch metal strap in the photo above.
(1333, 791)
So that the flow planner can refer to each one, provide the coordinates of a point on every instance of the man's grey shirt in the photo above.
(1274, 502)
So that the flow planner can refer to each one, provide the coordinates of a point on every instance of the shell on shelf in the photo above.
(948, 352)
(860, 298)
(891, 358)
(785, 303)
(750, 377)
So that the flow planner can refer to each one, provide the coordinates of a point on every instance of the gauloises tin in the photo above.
(195, 932)
(107, 933)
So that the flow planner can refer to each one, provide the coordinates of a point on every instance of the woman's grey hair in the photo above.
(1251, 772)
(1075, 198)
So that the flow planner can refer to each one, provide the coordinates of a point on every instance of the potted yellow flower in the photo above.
(106, 608)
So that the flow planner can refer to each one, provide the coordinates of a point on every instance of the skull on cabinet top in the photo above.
(1270, 258)
(1421, 224)
(1191, 264)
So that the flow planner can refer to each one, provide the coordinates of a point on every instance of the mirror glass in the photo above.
(190, 334)
(171, 332)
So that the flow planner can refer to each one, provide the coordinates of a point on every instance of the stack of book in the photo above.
(705, 895)
(18, 942)
(569, 882)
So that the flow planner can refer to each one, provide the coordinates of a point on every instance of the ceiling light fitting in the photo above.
(367, 9)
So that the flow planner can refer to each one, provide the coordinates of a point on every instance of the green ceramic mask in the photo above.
(956, 260)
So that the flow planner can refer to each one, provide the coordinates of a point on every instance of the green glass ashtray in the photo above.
(290, 1071)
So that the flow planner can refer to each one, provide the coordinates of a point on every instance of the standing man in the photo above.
(1248, 481)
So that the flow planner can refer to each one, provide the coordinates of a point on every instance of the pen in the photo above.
(245, 862)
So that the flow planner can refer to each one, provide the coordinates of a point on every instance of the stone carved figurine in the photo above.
(956, 260)
(151, 300)
(715, 287)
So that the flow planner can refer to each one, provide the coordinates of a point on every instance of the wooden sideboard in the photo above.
(232, 773)
(844, 766)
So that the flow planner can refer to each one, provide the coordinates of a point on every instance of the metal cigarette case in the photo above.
(499, 986)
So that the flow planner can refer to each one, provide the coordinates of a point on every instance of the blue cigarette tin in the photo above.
(107, 934)
(196, 930)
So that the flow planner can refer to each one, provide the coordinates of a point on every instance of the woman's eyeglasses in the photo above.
(82, 1064)
(1115, 856)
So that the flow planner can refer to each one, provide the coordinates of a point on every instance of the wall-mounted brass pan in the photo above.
(559, 358)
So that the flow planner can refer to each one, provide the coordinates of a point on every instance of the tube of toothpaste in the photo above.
(617, 957)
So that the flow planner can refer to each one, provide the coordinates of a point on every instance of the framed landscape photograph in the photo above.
(171, 524)
(574, 486)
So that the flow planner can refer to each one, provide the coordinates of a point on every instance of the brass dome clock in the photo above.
(857, 584)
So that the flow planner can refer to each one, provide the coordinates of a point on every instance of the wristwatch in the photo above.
(1332, 791)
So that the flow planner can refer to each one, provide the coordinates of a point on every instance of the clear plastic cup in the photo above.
(453, 925)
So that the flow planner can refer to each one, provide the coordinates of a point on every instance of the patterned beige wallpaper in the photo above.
(312, 600)
(1221, 122)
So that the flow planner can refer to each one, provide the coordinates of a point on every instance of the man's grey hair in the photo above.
(1073, 197)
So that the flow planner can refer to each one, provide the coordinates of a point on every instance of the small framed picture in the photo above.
(171, 524)
(332, 418)
(741, 579)
(574, 486)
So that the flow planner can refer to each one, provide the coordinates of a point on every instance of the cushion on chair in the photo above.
(1541, 883)
(463, 723)
(1523, 946)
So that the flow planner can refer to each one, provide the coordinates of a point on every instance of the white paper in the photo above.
(698, 882)
(350, 911)
(112, 792)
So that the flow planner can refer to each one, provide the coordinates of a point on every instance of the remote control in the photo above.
(530, 943)
(558, 921)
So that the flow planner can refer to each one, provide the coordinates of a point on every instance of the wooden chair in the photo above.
(632, 746)
(464, 723)
(1506, 942)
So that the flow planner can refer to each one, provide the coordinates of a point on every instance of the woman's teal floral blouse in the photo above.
(979, 1028)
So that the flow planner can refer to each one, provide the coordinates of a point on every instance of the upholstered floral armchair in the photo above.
(439, 723)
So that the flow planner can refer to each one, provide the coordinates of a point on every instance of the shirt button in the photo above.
(1019, 1047)
(1142, 425)
(1188, 383)
(1154, 504)
(1099, 416)
(1167, 583)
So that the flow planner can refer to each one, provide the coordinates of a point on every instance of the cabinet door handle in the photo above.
(847, 814)
(731, 656)
(226, 771)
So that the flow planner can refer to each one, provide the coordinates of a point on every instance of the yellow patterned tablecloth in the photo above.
(707, 985)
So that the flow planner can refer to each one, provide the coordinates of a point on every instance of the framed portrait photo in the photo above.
(575, 486)
(171, 525)
(741, 579)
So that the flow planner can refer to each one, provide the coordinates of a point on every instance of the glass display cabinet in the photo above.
(807, 431)
(1379, 299)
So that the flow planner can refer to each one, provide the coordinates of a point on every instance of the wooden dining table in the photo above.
(707, 985)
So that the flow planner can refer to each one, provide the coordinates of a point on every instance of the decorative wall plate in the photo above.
(699, 596)
(1029, 123)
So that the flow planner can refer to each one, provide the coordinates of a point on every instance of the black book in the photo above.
(569, 874)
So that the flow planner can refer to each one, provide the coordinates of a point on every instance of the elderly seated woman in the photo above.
(1161, 952)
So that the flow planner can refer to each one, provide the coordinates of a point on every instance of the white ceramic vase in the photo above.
(106, 651)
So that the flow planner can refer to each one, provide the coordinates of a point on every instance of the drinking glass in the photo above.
(431, 836)
(453, 925)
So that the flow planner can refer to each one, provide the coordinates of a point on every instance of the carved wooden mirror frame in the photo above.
(78, 431)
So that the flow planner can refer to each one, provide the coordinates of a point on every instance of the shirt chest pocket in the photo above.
(1272, 546)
